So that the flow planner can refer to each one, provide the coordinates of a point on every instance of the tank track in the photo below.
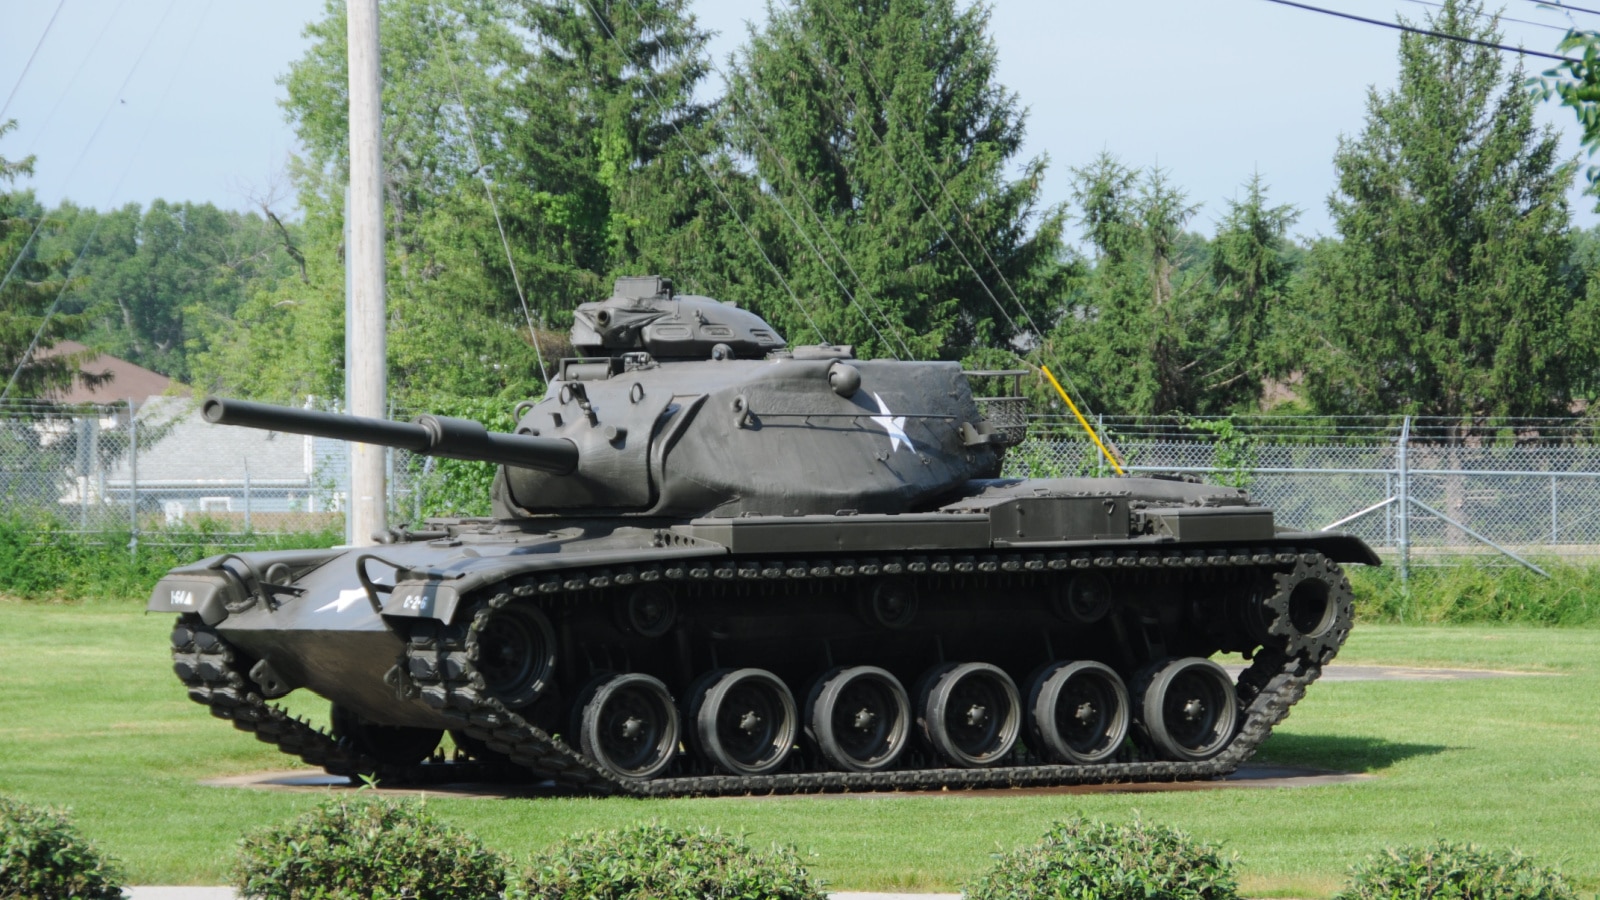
(439, 673)
(213, 673)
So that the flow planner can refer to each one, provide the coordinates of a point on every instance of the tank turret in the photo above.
(686, 406)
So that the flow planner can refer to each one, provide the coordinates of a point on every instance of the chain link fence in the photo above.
(1425, 491)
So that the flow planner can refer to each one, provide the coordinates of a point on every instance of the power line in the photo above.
(1429, 32)
(1566, 7)
(138, 61)
(77, 73)
(483, 175)
(794, 178)
(66, 283)
(715, 185)
(31, 57)
(1483, 15)
(852, 50)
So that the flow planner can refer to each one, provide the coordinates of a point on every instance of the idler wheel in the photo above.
(1084, 600)
(516, 654)
(745, 721)
(970, 713)
(859, 718)
(1077, 712)
(628, 724)
(1309, 610)
(888, 603)
(1187, 708)
(391, 745)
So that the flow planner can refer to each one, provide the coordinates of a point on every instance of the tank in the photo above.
(721, 565)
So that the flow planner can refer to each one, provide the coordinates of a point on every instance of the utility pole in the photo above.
(366, 363)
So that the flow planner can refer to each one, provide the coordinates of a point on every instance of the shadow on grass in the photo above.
(1341, 752)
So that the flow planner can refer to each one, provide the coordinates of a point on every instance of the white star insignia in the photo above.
(347, 598)
(894, 426)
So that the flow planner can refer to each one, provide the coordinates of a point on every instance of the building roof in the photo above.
(128, 381)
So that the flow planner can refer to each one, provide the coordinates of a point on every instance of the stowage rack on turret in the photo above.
(721, 565)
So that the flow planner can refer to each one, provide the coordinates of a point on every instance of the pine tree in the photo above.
(33, 278)
(1445, 295)
(880, 138)
(1142, 328)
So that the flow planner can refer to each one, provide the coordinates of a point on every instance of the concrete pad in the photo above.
(1337, 673)
(1249, 775)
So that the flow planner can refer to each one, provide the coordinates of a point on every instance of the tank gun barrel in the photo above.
(430, 435)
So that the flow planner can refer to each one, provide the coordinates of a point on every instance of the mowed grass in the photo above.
(91, 717)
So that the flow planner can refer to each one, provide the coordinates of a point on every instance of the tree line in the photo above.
(854, 174)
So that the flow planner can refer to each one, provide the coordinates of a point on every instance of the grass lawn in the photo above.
(91, 717)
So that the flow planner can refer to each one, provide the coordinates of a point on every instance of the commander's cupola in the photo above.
(643, 314)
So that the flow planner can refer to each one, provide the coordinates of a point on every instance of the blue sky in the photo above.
(129, 100)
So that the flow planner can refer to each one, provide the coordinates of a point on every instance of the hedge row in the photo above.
(356, 848)
(44, 559)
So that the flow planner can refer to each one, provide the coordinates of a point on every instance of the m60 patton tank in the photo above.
(717, 565)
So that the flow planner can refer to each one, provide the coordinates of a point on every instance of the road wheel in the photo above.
(628, 724)
(1078, 712)
(745, 721)
(859, 718)
(970, 713)
(1187, 708)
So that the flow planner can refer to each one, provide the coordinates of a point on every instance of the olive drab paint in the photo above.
(722, 564)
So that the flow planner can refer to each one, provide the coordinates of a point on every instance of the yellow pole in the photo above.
(1081, 420)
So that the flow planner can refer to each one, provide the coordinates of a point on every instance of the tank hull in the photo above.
(1008, 579)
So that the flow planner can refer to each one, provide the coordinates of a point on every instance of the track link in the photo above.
(439, 673)
(214, 673)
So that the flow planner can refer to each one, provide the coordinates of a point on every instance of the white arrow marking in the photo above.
(347, 598)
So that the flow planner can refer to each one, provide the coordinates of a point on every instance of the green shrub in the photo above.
(1084, 860)
(43, 858)
(652, 862)
(44, 558)
(354, 849)
(1449, 871)
(1479, 593)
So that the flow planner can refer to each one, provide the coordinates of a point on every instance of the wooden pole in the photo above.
(367, 375)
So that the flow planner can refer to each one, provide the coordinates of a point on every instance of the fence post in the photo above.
(133, 480)
(247, 497)
(80, 427)
(1100, 460)
(1404, 503)
(1388, 512)
(1552, 510)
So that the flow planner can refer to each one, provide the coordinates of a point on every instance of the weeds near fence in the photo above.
(41, 559)
(1479, 594)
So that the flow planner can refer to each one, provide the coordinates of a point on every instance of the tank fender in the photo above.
(423, 599)
(432, 594)
(1335, 545)
(202, 587)
(207, 595)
